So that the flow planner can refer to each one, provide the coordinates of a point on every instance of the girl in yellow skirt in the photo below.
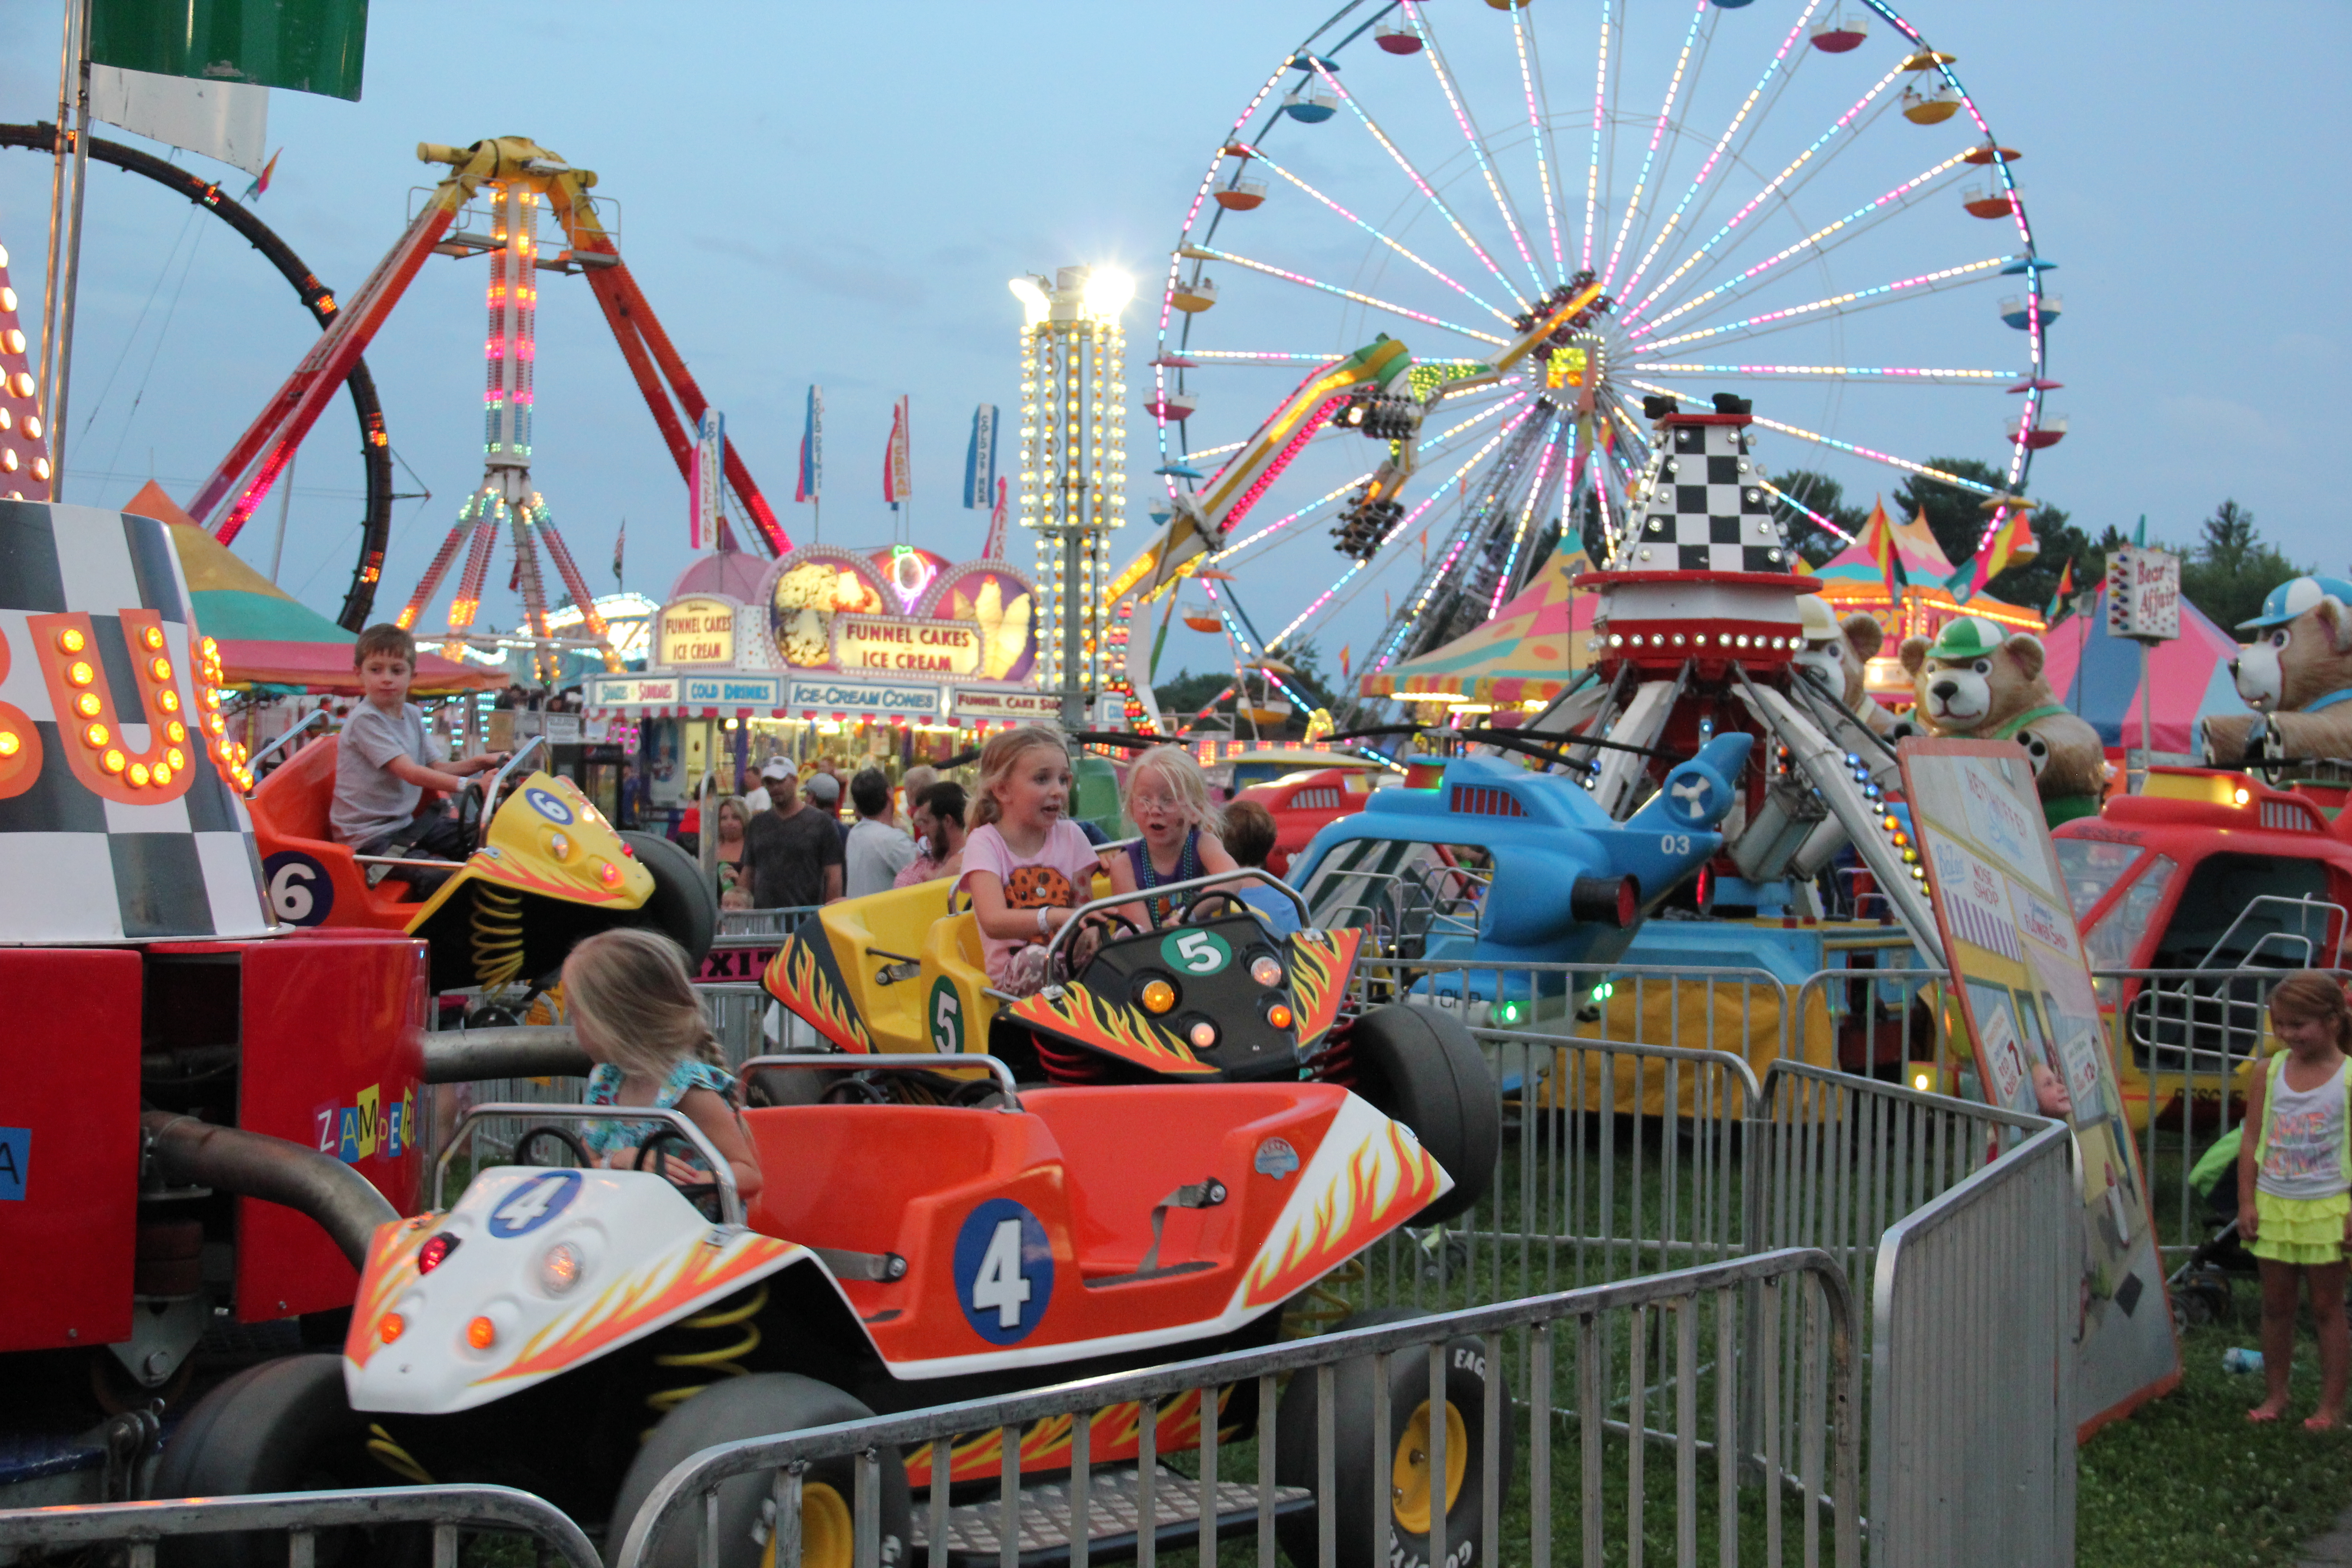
(2295, 1185)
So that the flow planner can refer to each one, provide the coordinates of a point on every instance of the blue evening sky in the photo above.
(838, 193)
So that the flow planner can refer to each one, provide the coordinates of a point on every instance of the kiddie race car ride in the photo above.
(579, 1333)
(546, 869)
(2202, 870)
(1217, 997)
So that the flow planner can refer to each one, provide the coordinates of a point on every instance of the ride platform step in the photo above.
(1113, 1515)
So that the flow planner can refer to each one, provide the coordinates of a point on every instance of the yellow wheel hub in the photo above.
(828, 1538)
(1409, 1487)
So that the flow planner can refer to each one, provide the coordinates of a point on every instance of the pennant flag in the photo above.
(310, 46)
(812, 480)
(1878, 539)
(2140, 535)
(2011, 543)
(620, 543)
(995, 551)
(2065, 592)
(980, 458)
(1344, 653)
(223, 119)
(897, 482)
(706, 481)
(260, 186)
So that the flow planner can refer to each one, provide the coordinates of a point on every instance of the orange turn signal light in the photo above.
(481, 1333)
(1278, 1016)
(391, 1328)
(1157, 996)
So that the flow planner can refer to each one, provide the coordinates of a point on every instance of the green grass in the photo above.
(2186, 1480)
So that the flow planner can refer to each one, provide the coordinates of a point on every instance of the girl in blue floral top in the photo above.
(637, 1016)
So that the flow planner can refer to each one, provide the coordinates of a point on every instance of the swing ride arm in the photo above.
(244, 477)
(253, 464)
(1201, 519)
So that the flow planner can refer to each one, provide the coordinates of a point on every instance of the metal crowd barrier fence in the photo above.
(1971, 1421)
(1614, 1370)
(449, 1511)
(775, 924)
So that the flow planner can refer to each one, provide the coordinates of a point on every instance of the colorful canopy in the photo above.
(2097, 675)
(1851, 581)
(1528, 653)
(265, 637)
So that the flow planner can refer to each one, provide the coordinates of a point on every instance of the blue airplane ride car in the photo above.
(1499, 866)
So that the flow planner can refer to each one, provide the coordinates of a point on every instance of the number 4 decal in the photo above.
(1003, 1271)
(998, 1288)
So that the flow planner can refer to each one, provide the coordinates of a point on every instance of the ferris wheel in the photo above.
(1566, 213)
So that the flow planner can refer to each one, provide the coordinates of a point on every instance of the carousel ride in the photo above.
(1799, 205)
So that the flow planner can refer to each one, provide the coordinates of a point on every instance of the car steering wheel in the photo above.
(1193, 916)
(571, 1146)
(696, 1193)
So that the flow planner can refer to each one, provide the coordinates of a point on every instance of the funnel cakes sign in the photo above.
(899, 614)
(902, 613)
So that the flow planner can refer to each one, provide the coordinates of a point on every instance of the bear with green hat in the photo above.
(1979, 681)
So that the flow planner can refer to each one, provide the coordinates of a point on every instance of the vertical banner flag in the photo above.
(897, 481)
(706, 480)
(310, 46)
(620, 544)
(225, 120)
(995, 551)
(812, 480)
(980, 458)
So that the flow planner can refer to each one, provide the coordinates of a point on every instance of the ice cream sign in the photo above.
(696, 630)
(927, 647)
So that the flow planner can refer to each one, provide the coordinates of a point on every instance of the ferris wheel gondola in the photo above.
(1548, 271)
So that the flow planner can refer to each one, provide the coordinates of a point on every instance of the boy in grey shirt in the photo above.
(385, 762)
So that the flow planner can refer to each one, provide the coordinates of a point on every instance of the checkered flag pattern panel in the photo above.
(174, 860)
(1699, 506)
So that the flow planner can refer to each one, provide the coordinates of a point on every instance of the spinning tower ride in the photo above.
(506, 494)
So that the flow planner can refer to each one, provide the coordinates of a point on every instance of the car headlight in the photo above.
(560, 1267)
(1265, 970)
(1156, 995)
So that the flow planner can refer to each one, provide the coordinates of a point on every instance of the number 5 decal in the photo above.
(947, 1017)
(1196, 952)
(1003, 1271)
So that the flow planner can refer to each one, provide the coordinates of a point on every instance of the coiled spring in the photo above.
(498, 935)
(722, 1361)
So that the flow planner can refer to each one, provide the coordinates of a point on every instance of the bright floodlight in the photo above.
(1107, 291)
(1032, 299)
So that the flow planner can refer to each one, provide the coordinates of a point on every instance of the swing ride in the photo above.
(1504, 261)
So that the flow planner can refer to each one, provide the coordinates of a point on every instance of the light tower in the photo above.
(1073, 463)
(506, 496)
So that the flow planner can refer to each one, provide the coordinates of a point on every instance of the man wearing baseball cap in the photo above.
(823, 791)
(760, 799)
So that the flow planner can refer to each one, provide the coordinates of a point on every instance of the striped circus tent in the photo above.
(1527, 655)
(2097, 675)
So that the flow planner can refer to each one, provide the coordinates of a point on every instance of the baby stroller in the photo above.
(2200, 1287)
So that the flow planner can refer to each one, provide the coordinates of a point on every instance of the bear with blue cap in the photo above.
(1977, 680)
(2296, 675)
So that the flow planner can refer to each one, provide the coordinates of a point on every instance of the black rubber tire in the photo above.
(758, 1405)
(281, 1426)
(1467, 1388)
(1420, 1066)
(683, 907)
